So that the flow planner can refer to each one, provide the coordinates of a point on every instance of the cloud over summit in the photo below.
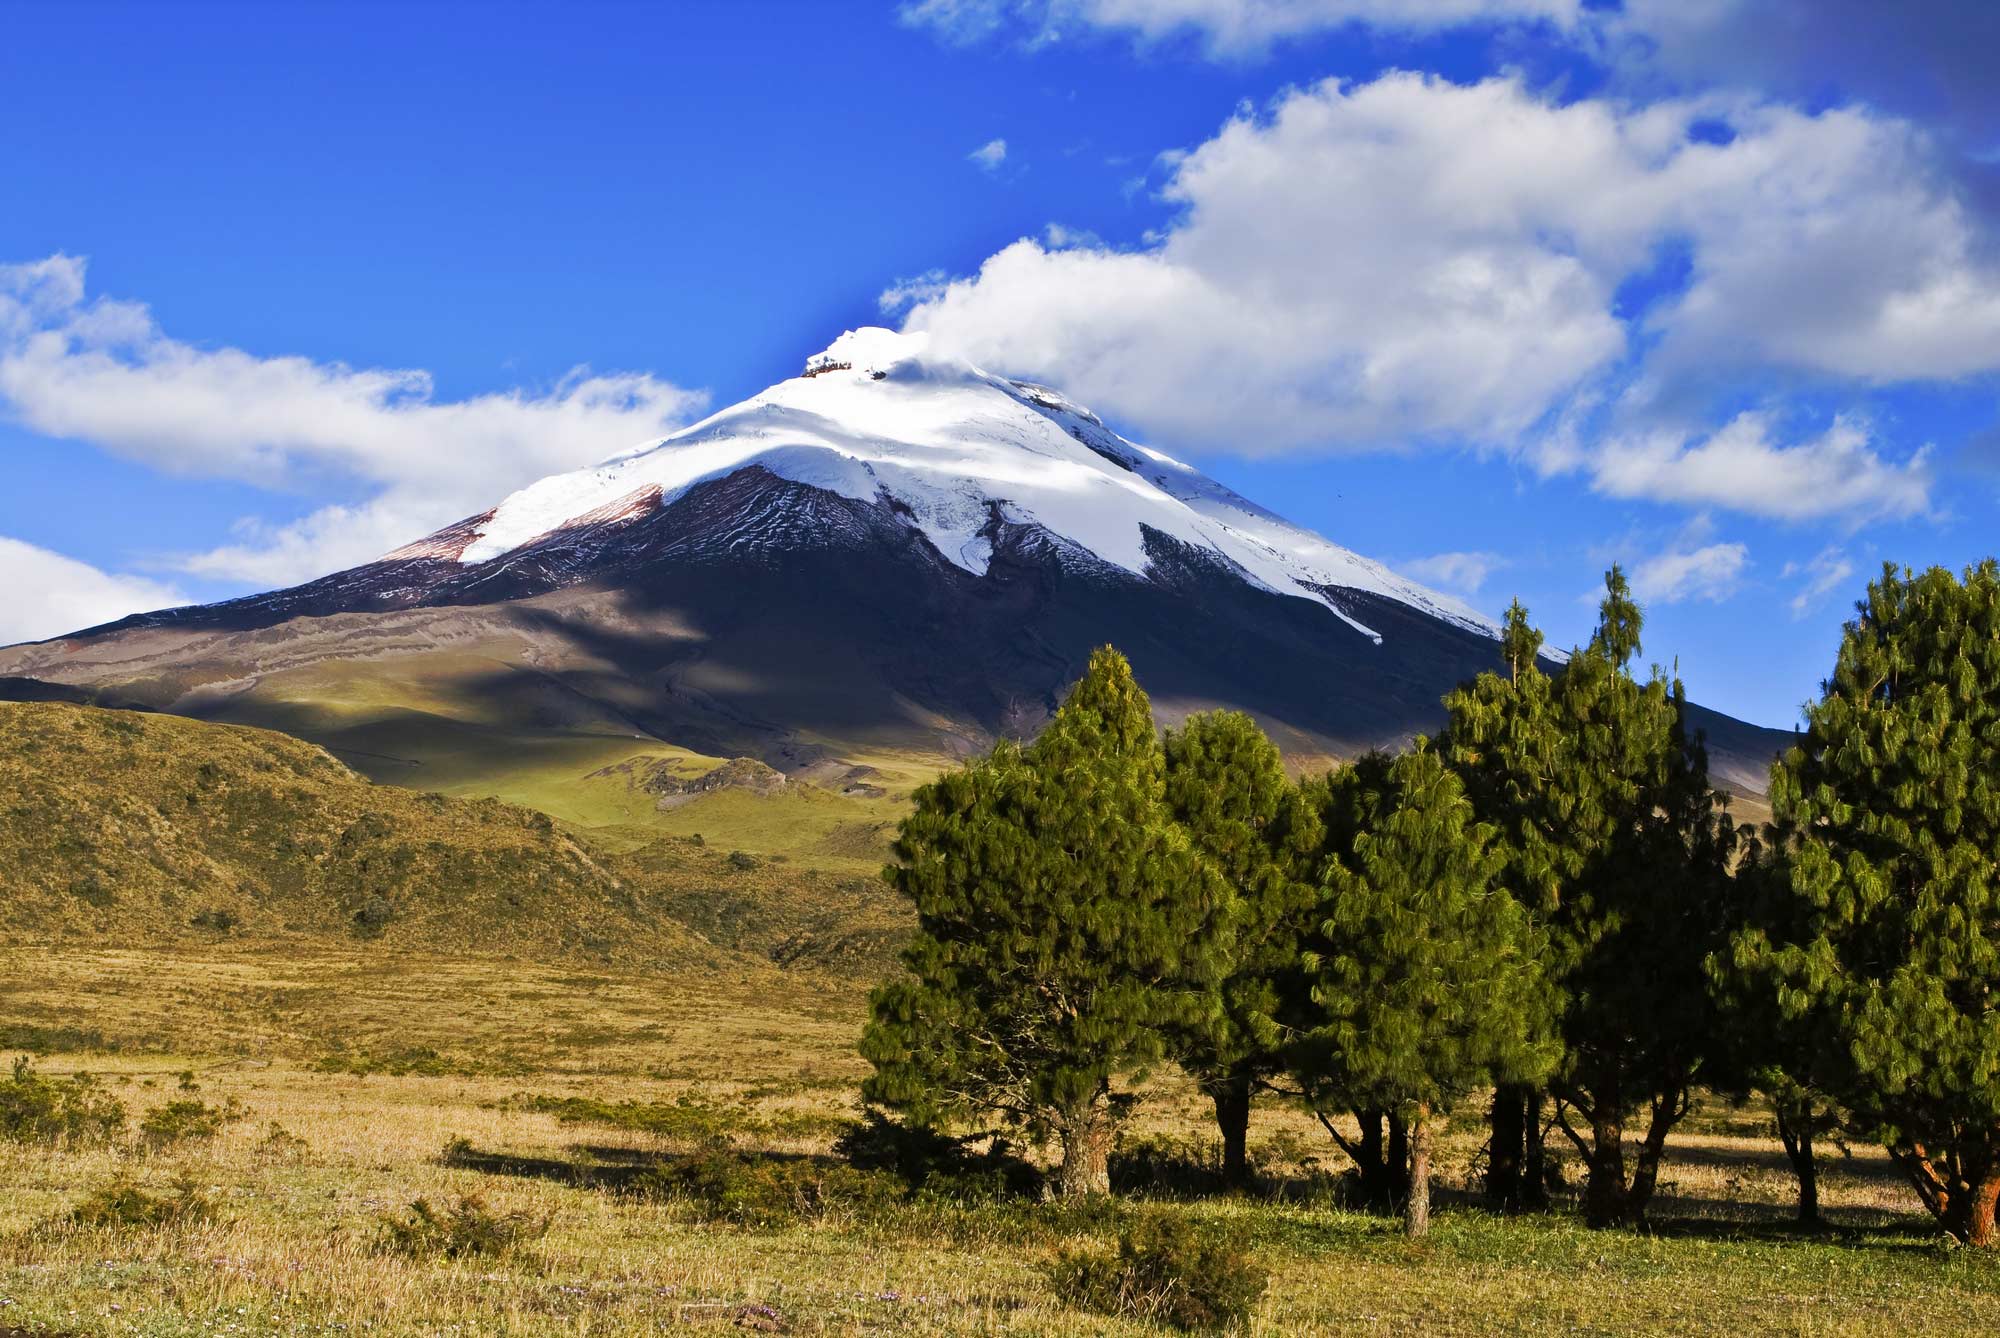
(1412, 260)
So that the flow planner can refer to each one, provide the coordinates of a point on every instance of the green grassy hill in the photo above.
(119, 827)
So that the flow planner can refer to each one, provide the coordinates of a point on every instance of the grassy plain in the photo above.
(370, 1062)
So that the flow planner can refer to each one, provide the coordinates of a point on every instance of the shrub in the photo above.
(373, 917)
(282, 1142)
(186, 1121)
(937, 1165)
(122, 1206)
(763, 1190)
(48, 1040)
(403, 1061)
(1167, 1271)
(34, 1109)
(468, 1228)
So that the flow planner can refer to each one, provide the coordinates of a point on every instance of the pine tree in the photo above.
(1065, 927)
(1507, 745)
(1227, 788)
(1426, 977)
(1619, 848)
(1351, 802)
(1889, 949)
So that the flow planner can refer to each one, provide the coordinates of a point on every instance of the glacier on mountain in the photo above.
(879, 415)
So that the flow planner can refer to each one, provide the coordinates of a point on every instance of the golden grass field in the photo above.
(291, 1036)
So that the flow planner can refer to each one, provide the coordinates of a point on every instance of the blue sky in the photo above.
(1495, 290)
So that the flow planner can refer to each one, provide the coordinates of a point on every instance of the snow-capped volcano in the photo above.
(894, 550)
(880, 417)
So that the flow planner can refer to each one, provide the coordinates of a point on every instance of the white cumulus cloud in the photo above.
(49, 594)
(1741, 467)
(1413, 260)
(101, 370)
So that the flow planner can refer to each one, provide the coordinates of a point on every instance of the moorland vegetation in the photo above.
(1492, 1034)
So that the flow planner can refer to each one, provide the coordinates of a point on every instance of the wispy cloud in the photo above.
(989, 157)
(101, 371)
(1711, 572)
(1825, 572)
(1462, 572)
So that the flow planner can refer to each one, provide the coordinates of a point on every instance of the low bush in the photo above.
(281, 1142)
(186, 1121)
(123, 1206)
(469, 1227)
(765, 1190)
(1167, 1271)
(682, 1123)
(34, 1109)
(373, 917)
(49, 1040)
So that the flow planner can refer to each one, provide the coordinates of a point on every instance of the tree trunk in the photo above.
(1535, 1158)
(1417, 1204)
(1398, 1177)
(1506, 1151)
(1604, 1194)
(1980, 1231)
(1086, 1154)
(1795, 1130)
(1232, 1116)
(1373, 1163)
(1646, 1173)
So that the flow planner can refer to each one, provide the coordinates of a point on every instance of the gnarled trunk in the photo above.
(1086, 1153)
(1231, 1096)
(1646, 1172)
(1961, 1188)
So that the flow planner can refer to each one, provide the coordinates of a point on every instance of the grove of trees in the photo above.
(1550, 902)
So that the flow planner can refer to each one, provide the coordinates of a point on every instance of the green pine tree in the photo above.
(1227, 788)
(1508, 746)
(1426, 975)
(1065, 927)
(1619, 848)
(1889, 949)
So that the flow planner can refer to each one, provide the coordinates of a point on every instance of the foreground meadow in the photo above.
(354, 1083)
